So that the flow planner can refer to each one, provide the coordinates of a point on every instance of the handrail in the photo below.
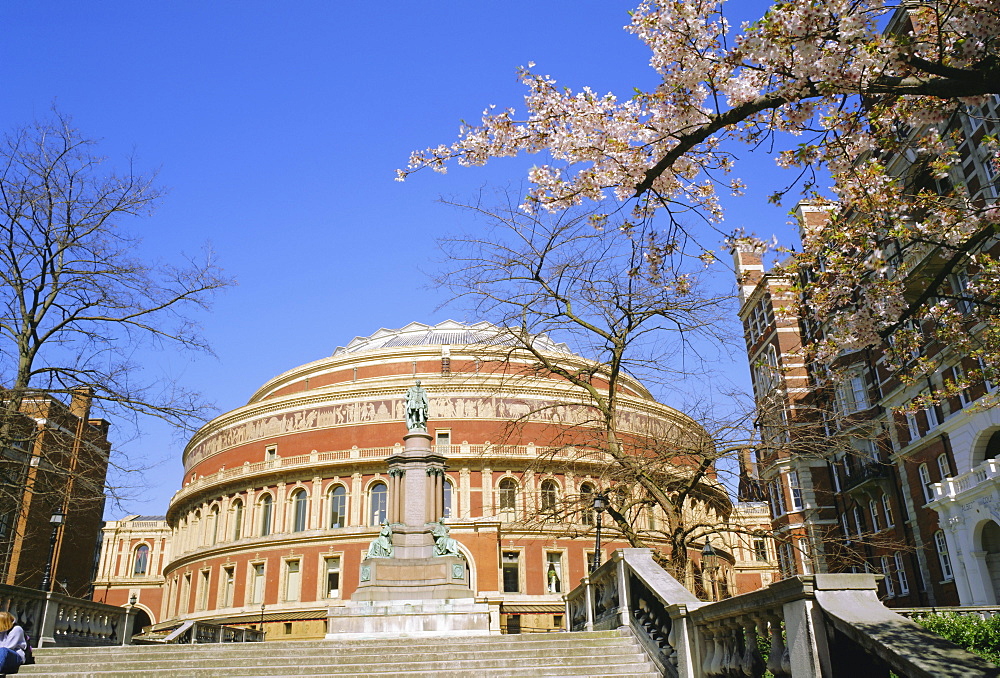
(813, 626)
(200, 632)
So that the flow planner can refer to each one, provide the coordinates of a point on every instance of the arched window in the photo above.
(449, 498)
(943, 466)
(925, 482)
(266, 514)
(213, 525)
(141, 561)
(237, 509)
(943, 557)
(196, 528)
(550, 496)
(508, 499)
(338, 506)
(587, 504)
(873, 509)
(378, 503)
(993, 447)
(300, 510)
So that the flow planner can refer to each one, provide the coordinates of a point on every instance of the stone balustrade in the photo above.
(333, 458)
(60, 620)
(949, 488)
(802, 627)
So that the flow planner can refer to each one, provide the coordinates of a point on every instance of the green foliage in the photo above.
(981, 636)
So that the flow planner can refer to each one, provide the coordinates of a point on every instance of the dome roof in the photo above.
(449, 332)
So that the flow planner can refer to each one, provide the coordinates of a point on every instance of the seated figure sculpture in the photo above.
(444, 545)
(381, 546)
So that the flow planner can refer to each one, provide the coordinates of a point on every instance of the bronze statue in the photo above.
(381, 546)
(416, 408)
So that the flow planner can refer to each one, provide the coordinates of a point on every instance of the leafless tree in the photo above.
(77, 303)
(586, 280)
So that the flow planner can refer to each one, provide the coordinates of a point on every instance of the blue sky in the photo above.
(276, 128)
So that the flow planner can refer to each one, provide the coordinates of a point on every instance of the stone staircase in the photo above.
(601, 653)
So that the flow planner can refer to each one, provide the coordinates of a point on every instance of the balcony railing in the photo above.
(861, 475)
(56, 619)
(815, 626)
(950, 488)
(314, 459)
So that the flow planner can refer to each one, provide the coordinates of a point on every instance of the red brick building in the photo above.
(282, 496)
(57, 462)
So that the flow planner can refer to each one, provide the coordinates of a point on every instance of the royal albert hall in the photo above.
(282, 497)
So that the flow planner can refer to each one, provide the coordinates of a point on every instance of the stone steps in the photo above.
(557, 654)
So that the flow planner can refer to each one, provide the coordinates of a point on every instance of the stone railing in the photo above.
(951, 487)
(56, 619)
(198, 632)
(803, 627)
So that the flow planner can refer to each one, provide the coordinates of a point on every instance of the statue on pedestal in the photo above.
(416, 408)
(381, 546)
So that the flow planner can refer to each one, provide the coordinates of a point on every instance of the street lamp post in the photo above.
(56, 521)
(600, 503)
(709, 561)
(262, 616)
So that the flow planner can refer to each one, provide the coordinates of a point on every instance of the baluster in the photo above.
(673, 638)
(735, 665)
(777, 647)
(752, 665)
(707, 664)
(726, 655)
(718, 638)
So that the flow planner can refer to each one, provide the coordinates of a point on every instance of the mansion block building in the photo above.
(864, 470)
(282, 497)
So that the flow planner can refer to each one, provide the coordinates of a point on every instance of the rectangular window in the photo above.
(257, 584)
(332, 576)
(964, 396)
(859, 523)
(943, 557)
(442, 441)
(846, 525)
(203, 580)
(511, 570)
(270, 453)
(912, 426)
(760, 549)
(890, 590)
(553, 572)
(292, 580)
(793, 485)
(228, 583)
(873, 509)
(887, 510)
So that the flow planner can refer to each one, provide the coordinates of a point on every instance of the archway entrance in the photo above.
(991, 544)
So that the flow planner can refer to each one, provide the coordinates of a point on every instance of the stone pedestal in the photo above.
(414, 592)
(434, 578)
(408, 618)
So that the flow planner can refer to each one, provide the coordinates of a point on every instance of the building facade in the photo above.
(865, 466)
(282, 496)
(56, 462)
